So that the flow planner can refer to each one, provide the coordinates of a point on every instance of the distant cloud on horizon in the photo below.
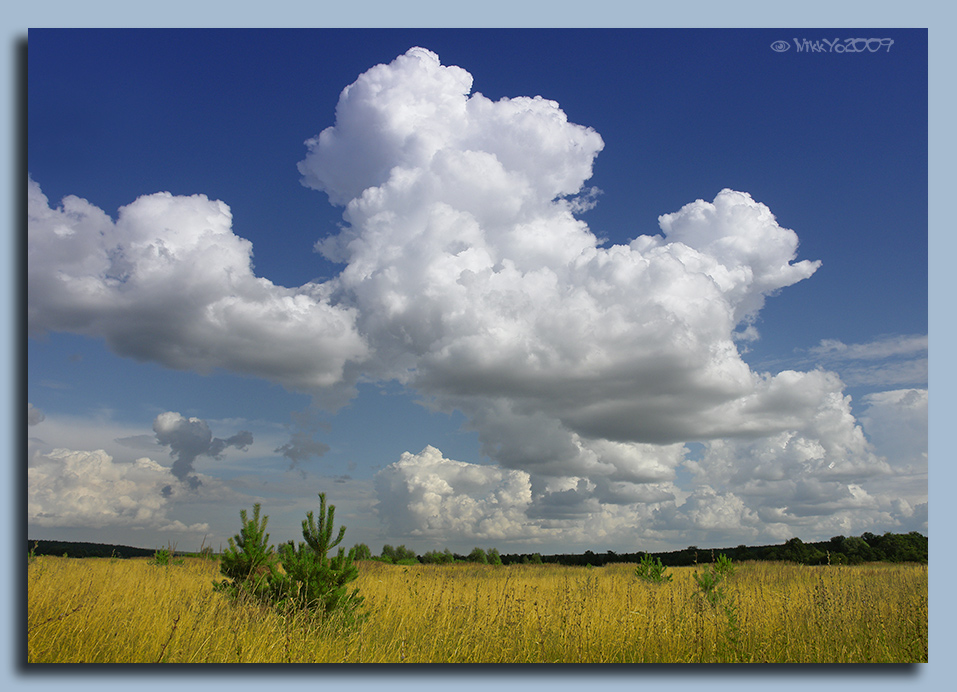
(68, 488)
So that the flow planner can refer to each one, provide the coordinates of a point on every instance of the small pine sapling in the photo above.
(710, 583)
(723, 567)
(709, 586)
(651, 569)
(314, 580)
(250, 563)
(161, 557)
(164, 557)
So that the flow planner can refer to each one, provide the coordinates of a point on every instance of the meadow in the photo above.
(103, 610)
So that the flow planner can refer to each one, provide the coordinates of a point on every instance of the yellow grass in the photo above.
(103, 610)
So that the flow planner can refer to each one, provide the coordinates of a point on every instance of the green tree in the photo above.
(434, 557)
(405, 556)
(796, 550)
(856, 550)
(313, 579)
(493, 557)
(478, 555)
(360, 551)
(249, 563)
(398, 556)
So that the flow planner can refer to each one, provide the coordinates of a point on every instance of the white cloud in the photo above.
(396, 119)
(69, 488)
(170, 282)
(478, 286)
(712, 512)
(427, 495)
(887, 361)
(880, 348)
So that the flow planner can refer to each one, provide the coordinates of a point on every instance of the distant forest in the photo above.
(77, 549)
(839, 550)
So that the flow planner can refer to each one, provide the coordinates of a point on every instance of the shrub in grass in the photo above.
(163, 557)
(650, 569)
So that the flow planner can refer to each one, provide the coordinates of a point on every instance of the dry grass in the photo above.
(101, 610)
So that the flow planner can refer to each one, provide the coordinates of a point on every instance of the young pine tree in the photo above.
(314, 580)
(249, 563)
(652, 570)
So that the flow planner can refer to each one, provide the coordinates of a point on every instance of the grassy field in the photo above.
(110, 610)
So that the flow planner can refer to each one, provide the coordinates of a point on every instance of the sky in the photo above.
(539, 290)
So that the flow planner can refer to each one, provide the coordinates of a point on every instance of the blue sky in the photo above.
(468, 365)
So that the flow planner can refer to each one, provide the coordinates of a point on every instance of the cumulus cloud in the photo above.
(189, 438)
(710, 512)
(170, 282)
(481, 289)
(427, 495)
(584, 368)
(477, 284)
(88, 488)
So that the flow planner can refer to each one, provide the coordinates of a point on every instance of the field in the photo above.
(111, 610)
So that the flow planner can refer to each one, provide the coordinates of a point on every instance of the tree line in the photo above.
(82, 549)
(839, 550)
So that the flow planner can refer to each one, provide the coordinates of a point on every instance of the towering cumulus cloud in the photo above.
(480, 288)
(467, 276)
